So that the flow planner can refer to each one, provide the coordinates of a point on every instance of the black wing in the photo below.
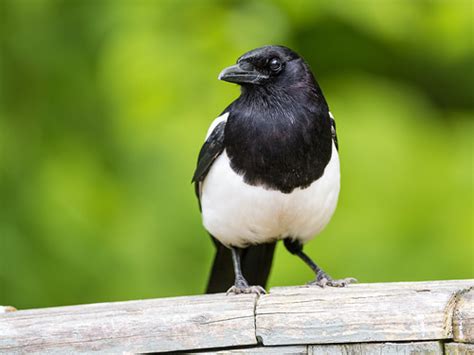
(256, 260)
(333, 131)
(212, 148)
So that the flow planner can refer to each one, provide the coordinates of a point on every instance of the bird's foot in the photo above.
(241, 286)
(326, 280)
(236, 290)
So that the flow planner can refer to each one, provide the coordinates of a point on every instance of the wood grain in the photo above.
(293, 350)
(463, 318)
(431, 348)
(458, 349)
(294, 320)
(403, 311)
(168, 324)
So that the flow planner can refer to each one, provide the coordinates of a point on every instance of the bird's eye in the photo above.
(274, 64)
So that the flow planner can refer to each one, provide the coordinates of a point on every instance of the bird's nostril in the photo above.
(245, 66)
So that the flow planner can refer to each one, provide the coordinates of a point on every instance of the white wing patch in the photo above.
(221, 118)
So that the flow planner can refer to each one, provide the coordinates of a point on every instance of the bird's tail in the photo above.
(256, 262)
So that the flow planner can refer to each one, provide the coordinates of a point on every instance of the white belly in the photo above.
(239, 214)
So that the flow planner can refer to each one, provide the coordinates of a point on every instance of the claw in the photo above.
(237, 290)
(341, 282)
(325, 281)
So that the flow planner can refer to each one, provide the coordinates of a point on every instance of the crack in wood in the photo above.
(419, 311)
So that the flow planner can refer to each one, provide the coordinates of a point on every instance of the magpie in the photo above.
(268, 170)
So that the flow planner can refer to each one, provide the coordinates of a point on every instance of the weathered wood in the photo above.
(359, 313)
(419, 348)
(299, 316)
(458, 349)
(264, 350)
(6, 309)
(168, 324)
(463, 318)
(431, 348)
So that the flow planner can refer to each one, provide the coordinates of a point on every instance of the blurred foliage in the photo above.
(105, 104)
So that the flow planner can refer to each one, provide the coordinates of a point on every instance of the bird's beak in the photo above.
(235, 74)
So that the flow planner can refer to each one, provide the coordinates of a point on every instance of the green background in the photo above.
(105, 104)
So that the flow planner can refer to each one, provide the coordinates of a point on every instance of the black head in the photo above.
(278, 132)
(269, 66)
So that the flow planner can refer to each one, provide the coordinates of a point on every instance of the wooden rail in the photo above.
(422, 317)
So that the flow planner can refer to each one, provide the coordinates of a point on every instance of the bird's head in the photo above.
(269, 67)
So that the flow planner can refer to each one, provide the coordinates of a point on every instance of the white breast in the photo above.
(239, 214)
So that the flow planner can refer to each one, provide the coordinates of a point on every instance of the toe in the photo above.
(324, 281)
(342, 282)
(337, 283)
(232, 290)
(236, 290)
(321, 282)
(259, 290)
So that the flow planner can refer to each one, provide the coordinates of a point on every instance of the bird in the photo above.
(268, 170)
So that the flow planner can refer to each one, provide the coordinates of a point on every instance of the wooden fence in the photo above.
(407, 317)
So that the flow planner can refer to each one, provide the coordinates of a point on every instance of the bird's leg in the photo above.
(241, 285)
(322, 279)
